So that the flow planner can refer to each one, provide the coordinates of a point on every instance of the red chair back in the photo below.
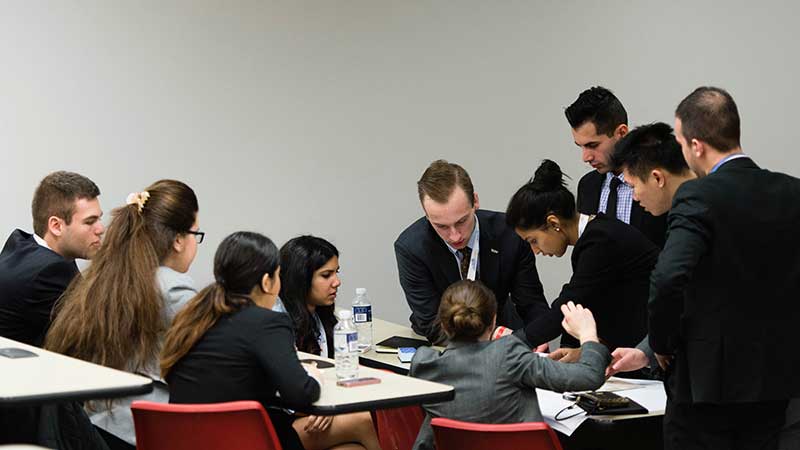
(214, 426)
(456, 435)
(397, 428)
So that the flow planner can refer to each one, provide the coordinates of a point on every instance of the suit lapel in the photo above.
(443, 259)
(489, 255)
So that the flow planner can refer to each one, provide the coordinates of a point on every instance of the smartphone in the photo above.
(358, 381)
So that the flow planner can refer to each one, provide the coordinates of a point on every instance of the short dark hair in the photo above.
(599, 106)
(709, 114)
(544, 194)
(649, 147)
(441, 178)
(56, 195)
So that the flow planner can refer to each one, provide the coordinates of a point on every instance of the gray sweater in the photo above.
(496, 381)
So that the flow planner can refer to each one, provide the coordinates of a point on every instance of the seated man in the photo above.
(456, 240)
(35, 269)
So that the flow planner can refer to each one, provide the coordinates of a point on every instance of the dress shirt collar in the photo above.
(726, 159)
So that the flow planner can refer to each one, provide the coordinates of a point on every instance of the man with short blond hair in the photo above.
(457, 240)
(35, 269)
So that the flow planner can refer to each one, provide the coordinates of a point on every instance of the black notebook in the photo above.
(397, 342)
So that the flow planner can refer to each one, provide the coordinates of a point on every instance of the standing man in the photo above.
(723, 299)
(598, 122)
(456, 240)
(653, 165)
(35, 269)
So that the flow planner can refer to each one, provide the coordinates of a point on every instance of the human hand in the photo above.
(625, 359)
(664, 361)
(565, 354)
(544, 348)
(579, 322)
(501, 332)
(317, 424)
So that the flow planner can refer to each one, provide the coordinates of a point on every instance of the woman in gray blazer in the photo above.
(496, 381)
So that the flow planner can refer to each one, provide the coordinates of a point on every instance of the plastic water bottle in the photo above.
(362, 316)
(345, 346)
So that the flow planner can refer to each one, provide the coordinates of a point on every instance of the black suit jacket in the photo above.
(506, 265)
(589, 188)
(32, 278)
(724, 293)
(611, 265)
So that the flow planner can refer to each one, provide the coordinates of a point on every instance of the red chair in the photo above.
(213, 426)
(456, 435)
(397, 428)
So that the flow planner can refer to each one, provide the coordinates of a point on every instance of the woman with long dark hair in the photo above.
(115, 314)
(611, 262)
(227, 344)
(310, 267)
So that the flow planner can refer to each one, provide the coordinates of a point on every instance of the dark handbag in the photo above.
(600, 403)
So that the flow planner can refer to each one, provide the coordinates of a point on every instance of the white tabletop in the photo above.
(393, 391)
(53, 377)
(381, 330)
(647, 393)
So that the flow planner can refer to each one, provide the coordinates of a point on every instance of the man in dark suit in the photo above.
(723, 304)
(35, 269)
(437, 250)
(598, 122)
(653, 165)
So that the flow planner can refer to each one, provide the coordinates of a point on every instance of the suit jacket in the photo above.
(496, 381)
(32, 278)
(611, 265)
(589, 188)
(427, 267)
(723, 296)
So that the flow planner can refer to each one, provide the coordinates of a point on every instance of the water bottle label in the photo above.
(352, 342)
(362, 314)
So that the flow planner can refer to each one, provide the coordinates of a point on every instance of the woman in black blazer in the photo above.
(611, 261)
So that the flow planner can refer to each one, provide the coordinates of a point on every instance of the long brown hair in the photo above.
(113, 315)
(240, 263)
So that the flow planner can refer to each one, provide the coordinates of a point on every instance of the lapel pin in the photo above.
(493, 250)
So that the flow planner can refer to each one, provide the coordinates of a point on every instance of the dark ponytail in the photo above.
(544, 194)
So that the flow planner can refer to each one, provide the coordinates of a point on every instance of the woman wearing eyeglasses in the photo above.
(116, 313)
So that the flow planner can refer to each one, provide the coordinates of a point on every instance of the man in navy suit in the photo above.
(456, 240)
(598, 122)
(35, 269)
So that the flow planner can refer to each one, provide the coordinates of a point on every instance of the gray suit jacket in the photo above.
(496, 381)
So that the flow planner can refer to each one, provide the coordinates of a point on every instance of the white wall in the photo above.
(319, 117)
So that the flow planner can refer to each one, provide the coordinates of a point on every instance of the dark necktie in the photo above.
(611, 206)
(466, 254)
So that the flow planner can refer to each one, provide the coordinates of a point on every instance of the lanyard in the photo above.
(473, 258)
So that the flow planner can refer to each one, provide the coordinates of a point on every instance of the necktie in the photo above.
(466, 254)
(611, 206)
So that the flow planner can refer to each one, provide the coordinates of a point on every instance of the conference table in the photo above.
(382, 329)
(49, 377)
(392, 391)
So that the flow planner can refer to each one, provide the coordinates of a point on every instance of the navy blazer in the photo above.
(723, 296)
(32, 278)
(589, 188)
(506, 265)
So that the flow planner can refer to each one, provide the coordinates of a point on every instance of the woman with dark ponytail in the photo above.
(115, 314)
(496, 381)
(611, 263)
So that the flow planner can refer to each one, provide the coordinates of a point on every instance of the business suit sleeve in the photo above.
(591, 273)
(531, 370)
(688, 237)
(421, 294)
(644, 346)
(48, 286)
(273, 346)
(527, 292)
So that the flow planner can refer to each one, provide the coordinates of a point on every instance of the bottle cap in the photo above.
(361, 291)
